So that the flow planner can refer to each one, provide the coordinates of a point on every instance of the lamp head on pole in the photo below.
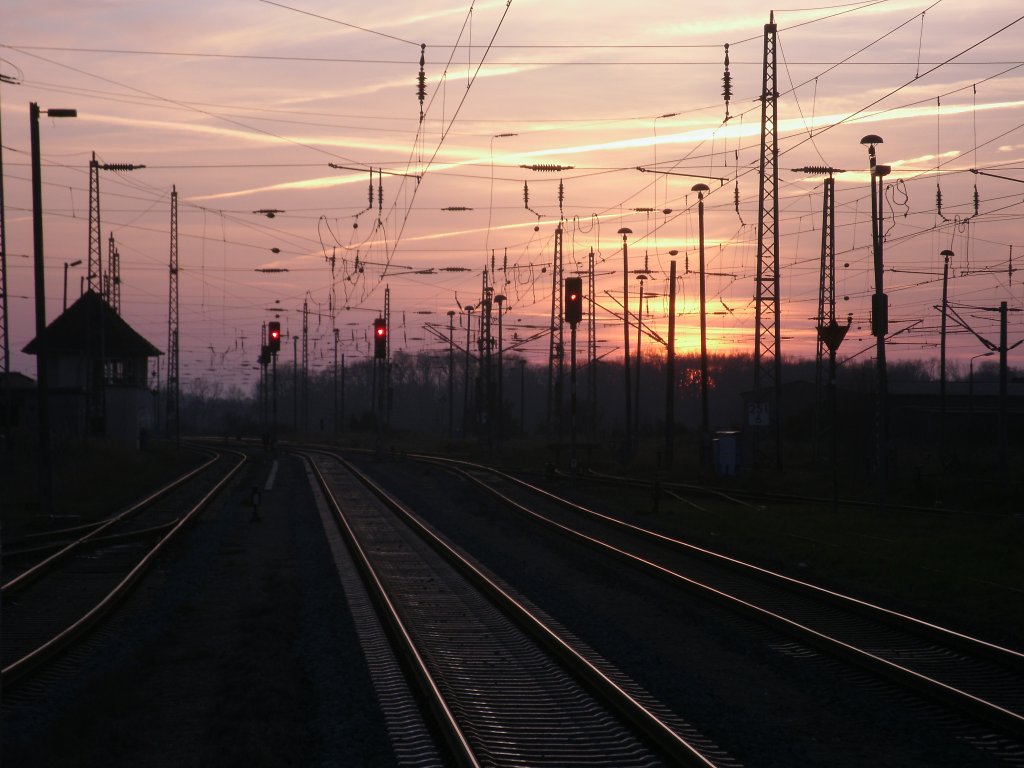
(700, 189)
(871, 139)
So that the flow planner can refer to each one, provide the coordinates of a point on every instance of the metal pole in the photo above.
(946, 256)
(42, 375)
(336, 430)
(1003, 415)
(500, 300)
(295, 383)
(273, 407)
(625, 337)
(879, 318)
(572, 395)
(465, 383)
(670, 367)
(451, 370)
(639, 336)
(705, 430)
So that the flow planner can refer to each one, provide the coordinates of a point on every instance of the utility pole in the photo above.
(485, 351)
(295, 383)
(591, 347)
(767, 346)
(625, 338)
(387, 355)
(42, 353)
(95, 277)
(112, 280)
(465, 384)
(500, 301)
(670, 367)
(705, 425)
(5, 340)
(451, 370)
(879, 318)
(826, 303)
(305, 365)
(946, 256)
(830, 333)
(335, 394)
(556, 342)
(1003, 410)
(642, 277)
(172, 411)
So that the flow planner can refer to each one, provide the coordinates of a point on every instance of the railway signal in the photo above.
(380, 339)
(274, 336)
(573, 300)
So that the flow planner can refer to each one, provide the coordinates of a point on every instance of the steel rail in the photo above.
(1012, 721)
(444, 718)
(18, 669)
(37, 570)
(624, 703)
(960, 640)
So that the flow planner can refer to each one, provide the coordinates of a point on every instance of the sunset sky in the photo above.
(243, 104)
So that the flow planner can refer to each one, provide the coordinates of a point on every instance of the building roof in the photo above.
(91, 326)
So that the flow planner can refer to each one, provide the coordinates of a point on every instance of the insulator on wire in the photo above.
(561, 195)
(727, 83)
(526, 196)
(736, 201)
(938, 202)
(977, 202)
(380, 190)
(370, 190)
(421, 86)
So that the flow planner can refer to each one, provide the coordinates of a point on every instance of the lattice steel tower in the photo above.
(556, 345)
(94, 281)
(112, 280)
(767, 345)
(305, 364)
(591, 345)
(172, 327)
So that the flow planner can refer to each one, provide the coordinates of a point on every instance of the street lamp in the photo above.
(500, 300)
(879, 313)
(946, 256)
(465, 384)
(625, 334)
(74, 263)
(42, 378)
(705, 429)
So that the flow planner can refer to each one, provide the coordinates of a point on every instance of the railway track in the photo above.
(983, 681)
(67, 581)
(504, 687)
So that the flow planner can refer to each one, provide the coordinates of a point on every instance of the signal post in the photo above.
(573, 316)
(273, 346)
(380, 362)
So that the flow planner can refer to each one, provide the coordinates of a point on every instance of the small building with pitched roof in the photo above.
(98, 368)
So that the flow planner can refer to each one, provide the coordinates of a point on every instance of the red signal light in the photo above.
(380, 339)
(574, 300)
